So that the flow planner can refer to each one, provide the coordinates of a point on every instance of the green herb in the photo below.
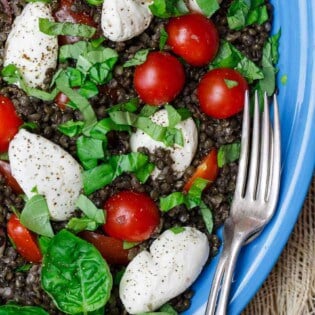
(242, 13)
(35, 216)
(118, 275)
(230, 57)
(105, 125)
(24, 268)
(184, 113)
(139, 58)
(168, 8)
(89, 151)
(284, 79)
(43, 242)
(173, 116)
(12, 309)
(90, 210)
(71, 128)
(163, 38)
(166, 309)
(191, 200)
(208, 7)
(29, 125)
(11, 74)
(4, 156)
(128, 245)
(148, 110)
(94, 2)
(269, 59)
(75, 275)
(177, 229)
(129, 106)
(144, 172)
(77, 225)
(230, 83)
(65, 28)
(104, 174)
(228, 153)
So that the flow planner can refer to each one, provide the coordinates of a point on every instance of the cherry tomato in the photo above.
(111, 248)
(9, 122)
(131, 216)
(221, 93)
(208, 169)
(65, 13)
(159, 79)
(5, 170)
(61, 100)
(193, 37)
(24, 240)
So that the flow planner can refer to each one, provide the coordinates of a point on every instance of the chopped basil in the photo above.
(94, 2)
(29, 125)
(24, 268)
(13, 309)
(65, 28)
(128, 245)
(228, 153)
(166, 309)
(148, 110)
(77, 225)
(4, 156)
(230, 83)
(163, 38)
(12, 75)
(230, 57)
(206, 216)
(90, 210)
(168, 8)
(73, 51)
(174, 199)
(177, 229)
(35, 216)
(43, 242)
(139, 58)
(184, 113)
(242, 13)
(208, 7)
(89, 151)
(144, 172)
(197, 188)
(71, 128)
(128, 106)
(173, 116)
(104, 174)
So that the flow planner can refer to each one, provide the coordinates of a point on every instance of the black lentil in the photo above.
(24, 287)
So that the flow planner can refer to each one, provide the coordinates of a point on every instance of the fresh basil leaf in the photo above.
(43, 242)
(90, 210)
(44, 1)
(65, 28)
(144, 172)
(75, 77)
(29, 125)
(206, 216)
(123, 118)
(130, 106)
(128, 245)
(71, 128)
(77, 225)
(94, 2)
(230, 83)
(35, 216)
(88, 89)
(173, 116)
(249, 70)
(284, 79)
(139, 58)
(75, 275)
(148, 110)
(197, 188)
(12, 309)
(163, 38)
(4, 156)
(208, 7)
(177, 229)
(105, 125)
(168, 8)
(73, 51)
(184, 113)
(24, 268)
(97, 42)
(174, 199)
(228, 153)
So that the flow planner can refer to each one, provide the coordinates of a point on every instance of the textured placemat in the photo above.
(290, 288)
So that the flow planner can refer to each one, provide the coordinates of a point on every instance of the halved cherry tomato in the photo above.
(221, 92)
(159, 79)
(61, 100)
(65, 13)
(9, 122)
(193, 37)
(131, 216)
(111, 248)
(208, 169)
(24, 240)
(5, 170)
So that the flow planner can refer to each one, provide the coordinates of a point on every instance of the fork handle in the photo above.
(219, 295)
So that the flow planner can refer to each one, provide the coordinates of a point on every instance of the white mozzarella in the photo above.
(172, 265)
(182, 156)
(37, 162)
(30, 50)
(125, 19)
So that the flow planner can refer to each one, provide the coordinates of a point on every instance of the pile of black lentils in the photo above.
(24, 286)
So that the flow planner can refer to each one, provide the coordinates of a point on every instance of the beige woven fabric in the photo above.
(290, 288)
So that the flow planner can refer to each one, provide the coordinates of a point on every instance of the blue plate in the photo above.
(297, 114)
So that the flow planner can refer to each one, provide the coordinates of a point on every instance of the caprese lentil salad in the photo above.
(119, 140)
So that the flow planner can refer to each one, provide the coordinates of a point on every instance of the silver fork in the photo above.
(255, 197)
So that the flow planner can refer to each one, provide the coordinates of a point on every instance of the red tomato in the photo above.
(131, 216)
(221, 93)
(9, 122)
(159, 79)
(65, 13)
(24, 240)
(208, 169)
(5, 170)
(111, 248)
(193, 37)
(61, 100)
